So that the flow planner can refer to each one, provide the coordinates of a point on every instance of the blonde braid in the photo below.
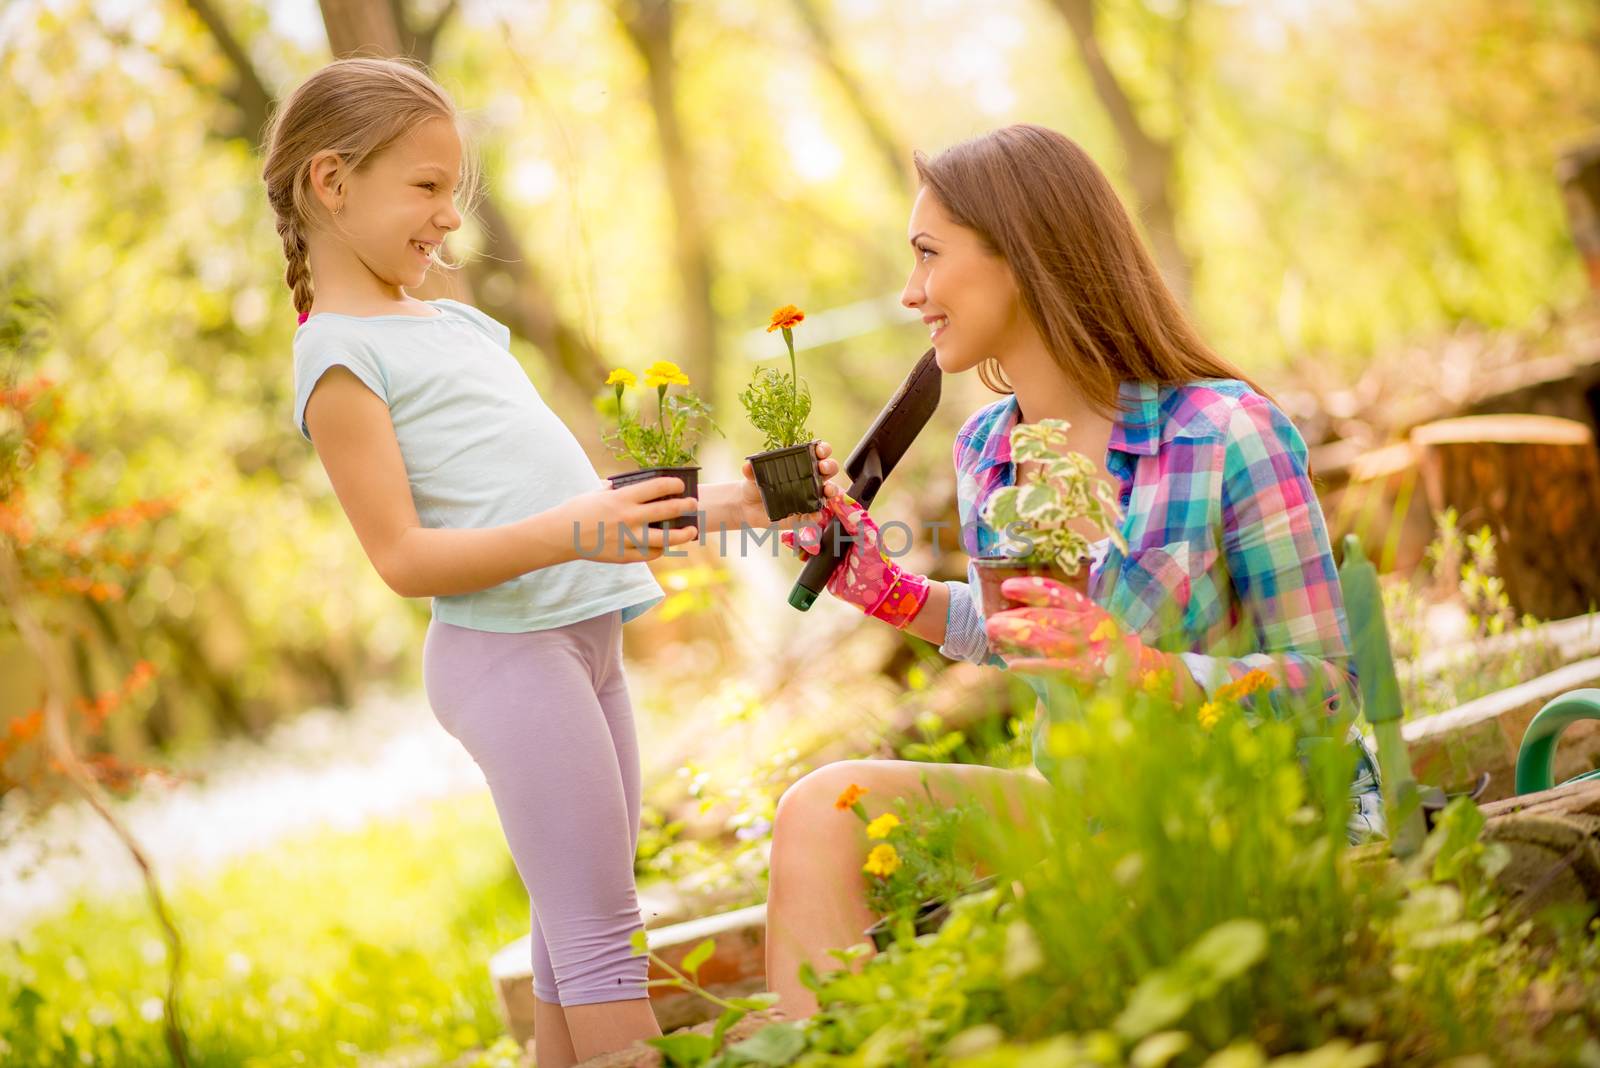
(298, 274)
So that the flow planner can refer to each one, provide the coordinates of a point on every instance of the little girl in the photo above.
(463, 486)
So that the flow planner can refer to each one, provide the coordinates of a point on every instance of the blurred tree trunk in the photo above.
(649, 26)
(502, 281)
(248, 93)
(1152, 161)
(363, 27)
(896, 158)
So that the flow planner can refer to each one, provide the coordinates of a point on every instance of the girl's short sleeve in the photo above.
(316, 352)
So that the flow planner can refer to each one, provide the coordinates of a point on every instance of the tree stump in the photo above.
(1534, 481)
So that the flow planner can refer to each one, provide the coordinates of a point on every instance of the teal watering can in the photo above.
(1536, 759)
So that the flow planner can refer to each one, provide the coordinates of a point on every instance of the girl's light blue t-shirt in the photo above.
(481, 449)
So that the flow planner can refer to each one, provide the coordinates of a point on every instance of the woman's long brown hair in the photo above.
(1087, 281)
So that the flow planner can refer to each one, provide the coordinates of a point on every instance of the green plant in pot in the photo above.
(1036, 515)
(665, 445)
(778, 405)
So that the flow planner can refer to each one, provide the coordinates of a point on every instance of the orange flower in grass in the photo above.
(786, 318)
(851, 795)
(1245, 685)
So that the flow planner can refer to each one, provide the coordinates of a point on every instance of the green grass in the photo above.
(1184, 898)
(327, 949)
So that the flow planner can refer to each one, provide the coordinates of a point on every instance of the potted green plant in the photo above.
(778, 405)
(665, 446)
(1036, 514)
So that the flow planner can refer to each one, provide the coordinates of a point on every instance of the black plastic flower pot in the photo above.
(788, 480)
(691, 486)
(929, 918)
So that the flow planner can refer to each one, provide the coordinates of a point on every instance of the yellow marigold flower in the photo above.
(1154, 680)
(851, 795)
(1208, 715)
(880, 827)
(787, 316)
(1106, 630)
(1245, 685)
(665, 373)
(882, 861)
(621, 377)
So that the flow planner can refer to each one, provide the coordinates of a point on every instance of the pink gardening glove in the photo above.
(1063, 631)
(867, 578)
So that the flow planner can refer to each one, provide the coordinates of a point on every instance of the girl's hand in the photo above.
(752, 513)
(1063, 631)
(612, 525)
(866, 578)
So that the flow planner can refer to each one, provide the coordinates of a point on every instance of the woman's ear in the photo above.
(327, 181)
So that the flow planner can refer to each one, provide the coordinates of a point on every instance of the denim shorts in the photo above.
(1366, 820)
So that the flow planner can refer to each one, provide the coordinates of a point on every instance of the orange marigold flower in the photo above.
(851, 795)
(785, 318)
(1245, 685)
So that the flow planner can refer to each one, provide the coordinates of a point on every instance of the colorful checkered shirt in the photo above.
(1228, 560)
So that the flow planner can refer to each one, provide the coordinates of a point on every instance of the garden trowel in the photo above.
(875, 455)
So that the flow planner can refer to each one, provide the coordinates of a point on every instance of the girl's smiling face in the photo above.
(395, 210)
(965, 291)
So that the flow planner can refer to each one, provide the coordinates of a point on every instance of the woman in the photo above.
(1028, 268)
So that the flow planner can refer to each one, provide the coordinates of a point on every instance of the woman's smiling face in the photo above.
(964, 290)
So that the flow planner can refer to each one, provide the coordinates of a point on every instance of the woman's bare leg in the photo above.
(552, 1045)
(816, 898)
(610, 1025)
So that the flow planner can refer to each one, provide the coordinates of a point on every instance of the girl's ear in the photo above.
(327, 181)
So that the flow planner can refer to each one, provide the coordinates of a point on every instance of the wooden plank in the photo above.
(1573, 639)
(738, 966)
(1452, 748)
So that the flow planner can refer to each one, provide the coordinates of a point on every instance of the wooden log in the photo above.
(1534, 481)
(1554, 841)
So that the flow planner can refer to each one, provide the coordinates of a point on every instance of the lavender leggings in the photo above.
(546, 715)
